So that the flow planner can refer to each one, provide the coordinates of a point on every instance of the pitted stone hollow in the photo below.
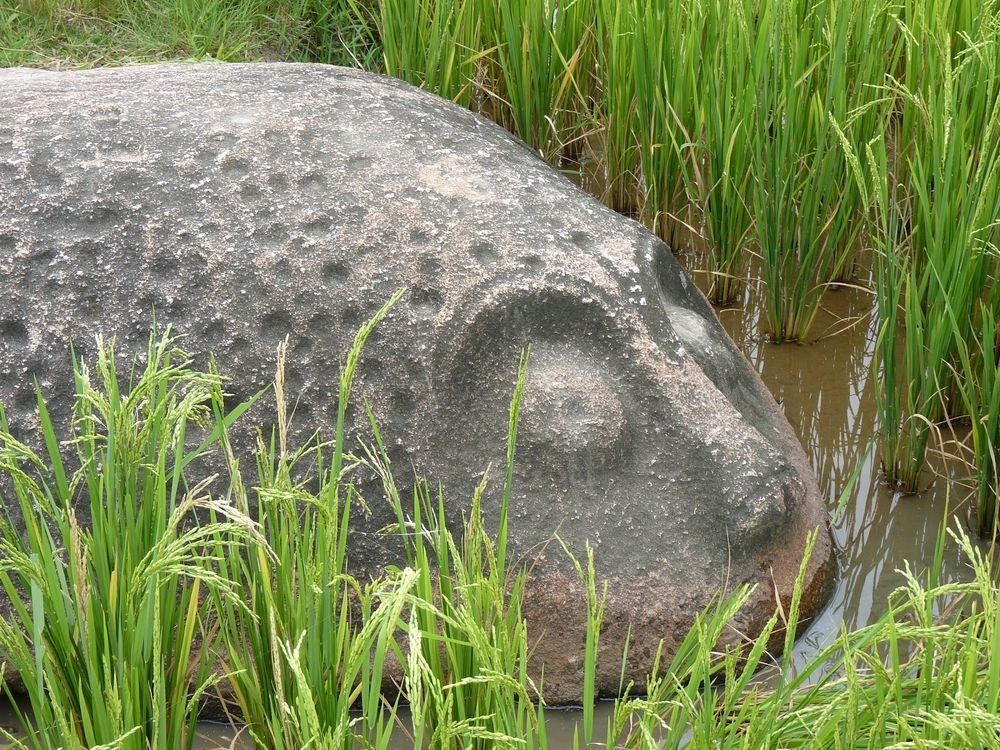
(247, 204)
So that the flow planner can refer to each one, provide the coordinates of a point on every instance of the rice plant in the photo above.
(666, 43)
(576, 43)
(111, 575)
(542, 48)
(433, 44)
(978, 383)
(615, 108)
(714, 152)
(337, 32)
(807, 213)
(869, 44)
(526, 64)
(923, 675)
(890, 273)
(311, 641)
(465, 664)
(115, 641)
(937, 217)
(596, 603)
(700, 693)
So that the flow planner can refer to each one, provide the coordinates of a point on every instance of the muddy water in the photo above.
(826, 391)
(560, 727)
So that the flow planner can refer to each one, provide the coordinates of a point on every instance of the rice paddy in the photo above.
(820, 143)
(740, 131)
(802, 144)
(792, 146)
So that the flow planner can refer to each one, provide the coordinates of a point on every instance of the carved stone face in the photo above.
(249, 203)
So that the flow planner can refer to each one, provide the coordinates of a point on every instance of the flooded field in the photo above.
(827, 393)
(826, 389)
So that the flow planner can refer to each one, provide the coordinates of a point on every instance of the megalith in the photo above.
(250, 203)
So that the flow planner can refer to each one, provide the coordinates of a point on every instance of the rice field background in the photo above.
(797, 144)
(783, 149)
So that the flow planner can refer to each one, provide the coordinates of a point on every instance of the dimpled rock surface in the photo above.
(247, 203)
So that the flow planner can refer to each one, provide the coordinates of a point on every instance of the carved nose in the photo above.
(744, 488)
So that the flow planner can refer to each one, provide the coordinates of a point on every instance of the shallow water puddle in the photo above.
(560, 726)
(827, 392)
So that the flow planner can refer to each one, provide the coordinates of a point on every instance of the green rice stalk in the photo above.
(542, 49)
(615, 106)
(921, 676)
(807, 213)
(714, 149)
(112, 636)
(311, 642)
(466, 664)
(872, 50)
(938, 214)
(433, 44)
(575, 34)
(595, 617)
(667, 44)
(978, 381)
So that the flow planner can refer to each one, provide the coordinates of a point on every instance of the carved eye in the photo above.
(570, 405)
(575, 405)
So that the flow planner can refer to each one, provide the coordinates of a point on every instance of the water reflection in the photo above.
(825, 388)
(827, 392)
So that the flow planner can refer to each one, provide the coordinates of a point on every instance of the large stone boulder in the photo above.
(247, 203)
